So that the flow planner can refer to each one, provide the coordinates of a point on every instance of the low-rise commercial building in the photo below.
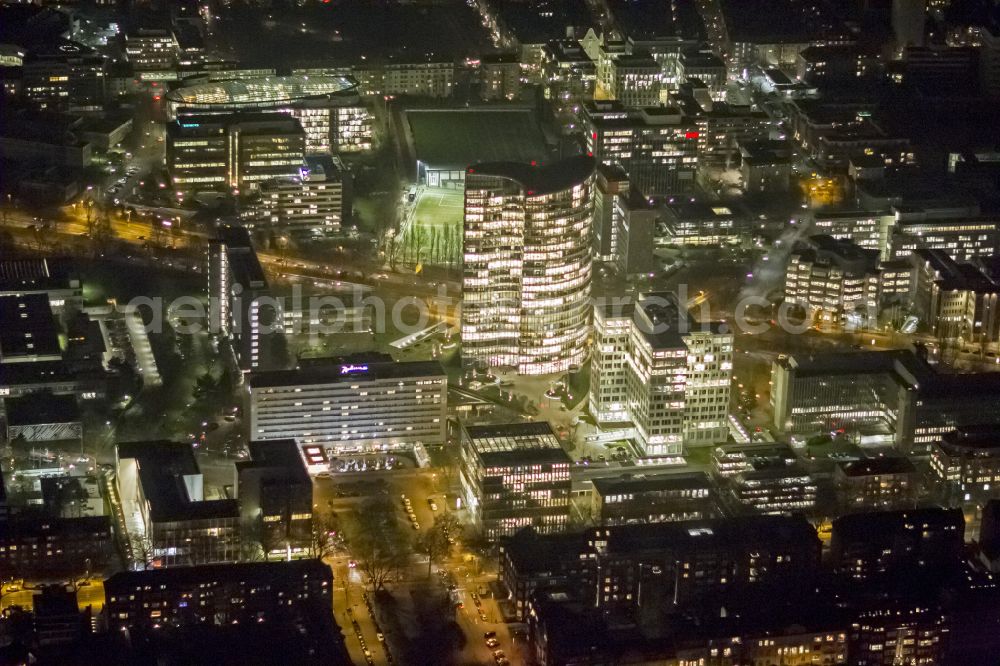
(966, 463)
(656, 498)
(276, 498)
(169, 520)
(515, 476)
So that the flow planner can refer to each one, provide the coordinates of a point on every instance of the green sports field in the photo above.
(434, 235)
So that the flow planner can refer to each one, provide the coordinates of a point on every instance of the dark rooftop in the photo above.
(653, 483)
(27, 327)
(24, 275)
(539, 180)
(41, 408)
(124, 581)
(283, 454)
(337, 374)
(652, 19)
(877, 466)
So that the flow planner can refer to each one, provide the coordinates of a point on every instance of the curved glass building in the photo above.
(527, 264)
(328, 107)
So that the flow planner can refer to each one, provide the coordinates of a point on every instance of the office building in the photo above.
(215, 594)
(636, 221)
(686, 222)
(170, 522)
(834, 280)
(876, 484)
(65, 75)
(765, 167)
(570, 78)
(329, 108)
(866, 392)
(276, 498)
(514, 476)
(234, 152)
(239, 305)
(317, 202)
(657, 146)
(769, 488)
(867, 230)
(678, 378)
(683, 563)
(151, 50)
(957, 301)
(349, 404)
(722, 126)
(963, 238)
(908, 20)
(43, 417)
(610, 182)
(608, 397)
(653, 498)
(965, 463)
(527, 265)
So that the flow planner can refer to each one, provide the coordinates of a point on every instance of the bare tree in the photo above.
(143, 552)
(380, 543)
(321, 539)
(435, 542)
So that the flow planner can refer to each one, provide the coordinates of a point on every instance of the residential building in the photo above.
(570, 78)
(657, 146)
(37, 545)
(621, 568)
(868, 547)
(527, 267)
(216, 594)
(418, 79)
(276, 498)
(239, 304)
(515, 476)
(170, 522)
(500, 76)
(233, 152)
(876, 484)
(653, 498)
(349, 404)
(966, 463)
(835, 280)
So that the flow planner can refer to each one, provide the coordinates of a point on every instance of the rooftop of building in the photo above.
(163, 468)
(877, 466)
(544, 20)
(900, 362)
(40, 372)
(840, 252)
(458, 138)
(277, 454)
(250, 123)
(346, 373)
(20, 275)
(538, 180)
(27, 327)
(265, 90)
(615, 115)
(568, 51)
(40, 126)
(643, 20)
(755, 450)
(41, 409)
(515, 443)
(878, 526)
(778, 22)
(290, 571)
(662, 321)
(641, 483)
(244, 264)
(954, 276)
(974, 438)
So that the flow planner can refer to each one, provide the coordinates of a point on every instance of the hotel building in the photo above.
(527, 265)
(349, 405)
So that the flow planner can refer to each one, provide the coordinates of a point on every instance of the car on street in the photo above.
(492, 642)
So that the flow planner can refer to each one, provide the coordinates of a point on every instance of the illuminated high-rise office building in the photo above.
(527, 264)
